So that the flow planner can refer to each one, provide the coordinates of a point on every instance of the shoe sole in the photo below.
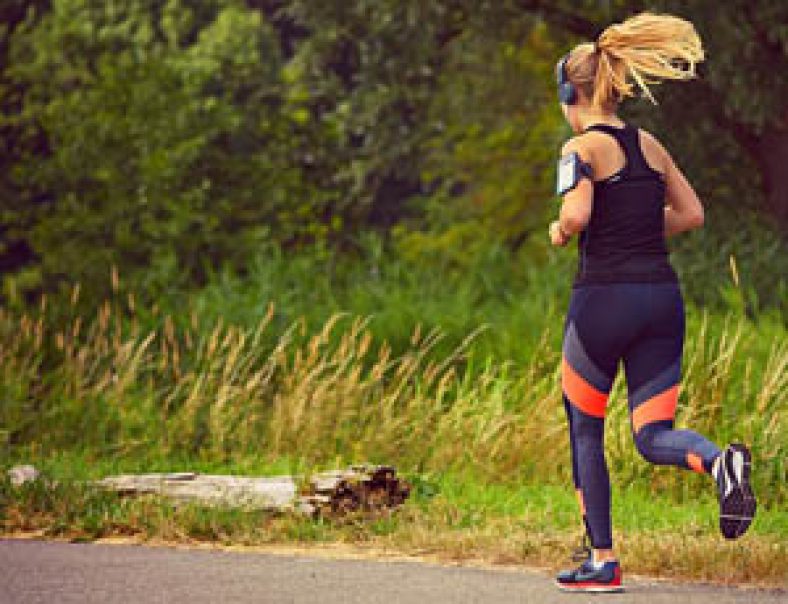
(737, 505)
(598, 589)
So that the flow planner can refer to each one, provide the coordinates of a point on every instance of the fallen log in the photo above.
(367, 488)
(259, 492)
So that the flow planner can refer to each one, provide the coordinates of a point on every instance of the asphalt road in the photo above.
(57, 572)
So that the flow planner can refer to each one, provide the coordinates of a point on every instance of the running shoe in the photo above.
(590, 578)
(731, 470)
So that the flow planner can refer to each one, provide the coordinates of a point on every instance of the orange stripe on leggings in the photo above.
(657, 408)
(695, 462)
(580, 393)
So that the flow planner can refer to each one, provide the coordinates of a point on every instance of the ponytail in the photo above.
(645, 49)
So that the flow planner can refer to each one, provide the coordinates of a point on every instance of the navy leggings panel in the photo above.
(642, 325)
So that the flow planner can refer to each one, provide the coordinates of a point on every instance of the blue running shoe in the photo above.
(589, 578)
(731, 470)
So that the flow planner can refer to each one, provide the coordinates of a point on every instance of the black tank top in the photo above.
(624, 239)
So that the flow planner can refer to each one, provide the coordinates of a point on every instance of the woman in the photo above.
(623, 194)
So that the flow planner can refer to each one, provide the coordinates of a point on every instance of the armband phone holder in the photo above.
(570, 170)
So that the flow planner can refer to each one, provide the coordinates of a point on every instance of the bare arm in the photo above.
(683, 210)
(576, 207)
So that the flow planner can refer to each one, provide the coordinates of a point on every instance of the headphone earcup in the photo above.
(567, 93)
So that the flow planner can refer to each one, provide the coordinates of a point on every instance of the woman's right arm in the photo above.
(683, 210)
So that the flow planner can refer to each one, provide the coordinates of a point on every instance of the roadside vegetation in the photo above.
(450, 517)
(255, 236)
(454, 381)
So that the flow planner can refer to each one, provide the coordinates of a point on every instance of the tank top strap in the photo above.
(629, 141)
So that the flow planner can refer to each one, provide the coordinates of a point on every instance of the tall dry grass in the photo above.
(335, 395)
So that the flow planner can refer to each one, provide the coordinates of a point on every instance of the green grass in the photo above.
(635, 508)
(555, 506)
(454, 380)
(336, 393)
(451, 516)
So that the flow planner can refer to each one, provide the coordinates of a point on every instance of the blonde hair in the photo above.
(645, 48)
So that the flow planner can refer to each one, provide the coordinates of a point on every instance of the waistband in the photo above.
(663, 275)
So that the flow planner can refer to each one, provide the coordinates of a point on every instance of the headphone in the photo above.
(567, 93)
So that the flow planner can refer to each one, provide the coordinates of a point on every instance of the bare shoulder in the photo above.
(571, 144)
(656, 154)
(646, 138)
(583, 144)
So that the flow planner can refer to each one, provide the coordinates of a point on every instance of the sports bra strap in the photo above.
(629, 141)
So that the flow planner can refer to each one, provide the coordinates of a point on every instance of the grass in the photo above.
(453, 380)
(107, 386)
(450, 516)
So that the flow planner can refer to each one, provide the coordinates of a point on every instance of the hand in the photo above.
(557, 235)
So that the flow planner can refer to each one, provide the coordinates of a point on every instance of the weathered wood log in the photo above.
(260, 492)
(365, 488)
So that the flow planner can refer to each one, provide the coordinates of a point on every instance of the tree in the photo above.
(15, 250)
(170, 137)
(372, 68)
(170, 141)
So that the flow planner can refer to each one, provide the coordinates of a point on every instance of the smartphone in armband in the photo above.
(570, 170)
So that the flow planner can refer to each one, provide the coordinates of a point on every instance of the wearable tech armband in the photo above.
(570, 170)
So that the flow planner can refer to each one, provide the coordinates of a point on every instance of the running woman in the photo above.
(623, 194)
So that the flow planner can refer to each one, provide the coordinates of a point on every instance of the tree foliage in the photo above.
(172, 137)
(170, 144)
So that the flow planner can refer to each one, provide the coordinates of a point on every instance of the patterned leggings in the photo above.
(643, 325)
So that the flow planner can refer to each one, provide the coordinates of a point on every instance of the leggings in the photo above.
(643, 325)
